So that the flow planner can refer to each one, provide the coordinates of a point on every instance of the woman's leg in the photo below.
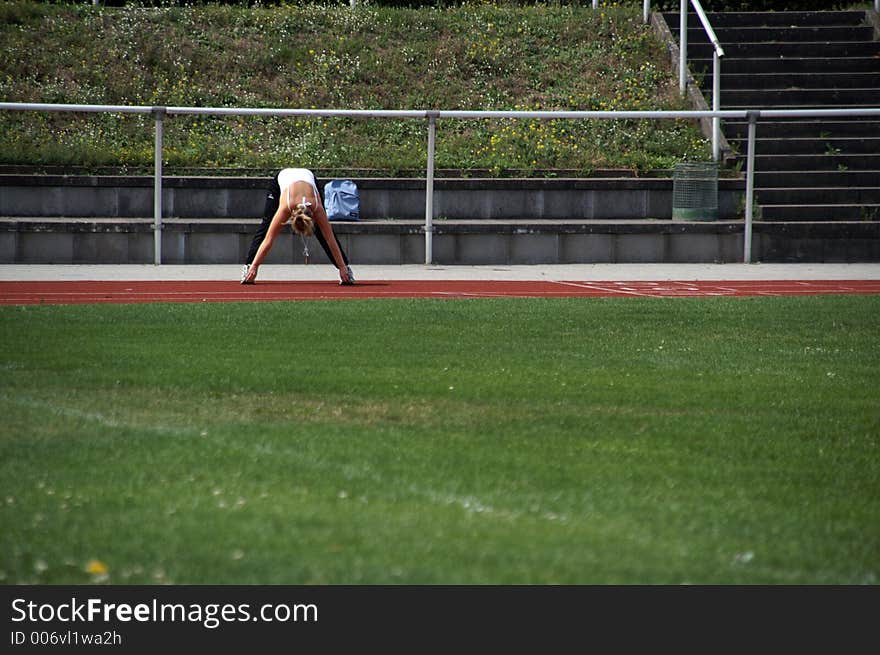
(272, 200)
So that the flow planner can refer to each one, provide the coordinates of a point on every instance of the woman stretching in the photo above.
(293, 198)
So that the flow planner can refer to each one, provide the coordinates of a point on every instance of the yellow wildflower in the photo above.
(96, 567)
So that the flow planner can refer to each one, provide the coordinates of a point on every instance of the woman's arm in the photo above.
(282, 215)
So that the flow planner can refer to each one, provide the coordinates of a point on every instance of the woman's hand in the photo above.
(251, 274)
(345, 276)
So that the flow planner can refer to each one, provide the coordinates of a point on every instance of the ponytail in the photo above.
(301, 220)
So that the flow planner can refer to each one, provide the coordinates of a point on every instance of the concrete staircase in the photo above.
(812, 169)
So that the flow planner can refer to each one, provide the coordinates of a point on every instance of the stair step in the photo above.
(817, 128)
(814, 162)
(731, 35)
(800, 212)
(771, 18)
(812, 65)
(810, 146)
(841, 80)
(850, 106)
(816, 179)
(798, 97)
(805, 49)
(806, 169)
(819, 196)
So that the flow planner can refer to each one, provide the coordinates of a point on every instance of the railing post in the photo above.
(682, 46)
(716, 106)
(646, 10)
(429, 189)
(159, 115)
(750, 187)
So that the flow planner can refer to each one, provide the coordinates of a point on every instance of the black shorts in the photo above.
(273, 198)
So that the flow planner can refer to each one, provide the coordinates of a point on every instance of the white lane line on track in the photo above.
(604, 288)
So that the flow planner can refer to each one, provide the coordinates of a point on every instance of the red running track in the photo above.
(120, 292)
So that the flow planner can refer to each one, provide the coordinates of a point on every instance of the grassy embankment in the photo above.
(473, 57)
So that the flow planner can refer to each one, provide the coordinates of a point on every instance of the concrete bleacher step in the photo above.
(830, 162)
(799, 49)
(816, 145)
(774, 34)
(805, 80)
(819, 128)
(33, 240)
(805, 64)
(819, 196)
(788, 97)
(816, 179)
(821, 212)
(772, 18)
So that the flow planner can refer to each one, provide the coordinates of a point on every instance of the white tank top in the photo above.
(288, 176)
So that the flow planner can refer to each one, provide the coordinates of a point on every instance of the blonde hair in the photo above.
(301, 219)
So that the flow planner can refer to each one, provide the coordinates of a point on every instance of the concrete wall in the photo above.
(82, 219)
(85, 241)
(452, 244)
(460, 199)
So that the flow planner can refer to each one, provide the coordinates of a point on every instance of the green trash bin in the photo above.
(695, 191)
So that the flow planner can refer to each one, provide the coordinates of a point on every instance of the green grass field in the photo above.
(501, 441)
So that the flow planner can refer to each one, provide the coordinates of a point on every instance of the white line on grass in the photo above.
(96, 417)
(469, 503)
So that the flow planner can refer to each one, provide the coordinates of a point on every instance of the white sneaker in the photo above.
(244, 272)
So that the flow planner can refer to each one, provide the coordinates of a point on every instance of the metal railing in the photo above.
(432, 116)
(717, 54)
